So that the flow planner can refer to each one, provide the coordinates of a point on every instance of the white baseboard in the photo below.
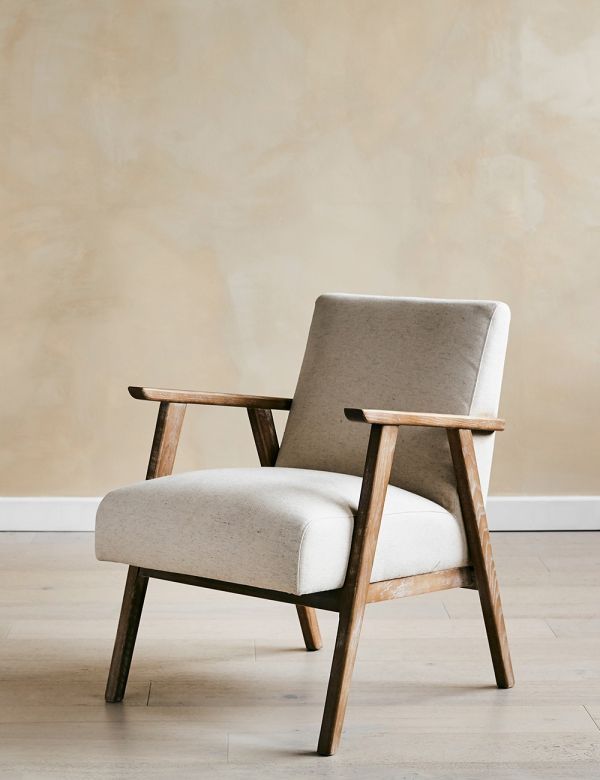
(55, 513)
(544, 513)
(505, 513)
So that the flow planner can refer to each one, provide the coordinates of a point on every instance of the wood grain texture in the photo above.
(378, 464)
(166, 438)
(480, 549)
(385, 590)
(386, 417)
(350, 601)
(265, 435)
(209, 398)
(309, 626)
(129, 621)
(162, 457)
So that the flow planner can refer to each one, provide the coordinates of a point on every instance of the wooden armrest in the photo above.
(384, 417)
(212, 399)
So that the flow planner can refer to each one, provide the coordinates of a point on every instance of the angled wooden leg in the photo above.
(162, 456)
(129, 621)
(310, 627)
(267, 446)
(380, 453)
(480, 549)
(344, 656)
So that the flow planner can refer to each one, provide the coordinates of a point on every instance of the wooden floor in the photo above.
(221, 686)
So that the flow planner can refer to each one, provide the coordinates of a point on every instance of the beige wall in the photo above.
(181, 178)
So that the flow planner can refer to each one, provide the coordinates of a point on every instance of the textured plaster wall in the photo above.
(179, 179)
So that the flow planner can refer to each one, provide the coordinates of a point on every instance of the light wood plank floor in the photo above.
(221, 686)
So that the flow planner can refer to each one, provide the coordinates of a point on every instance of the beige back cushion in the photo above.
(405, 354)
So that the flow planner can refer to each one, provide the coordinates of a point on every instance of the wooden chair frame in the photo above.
(351, 599)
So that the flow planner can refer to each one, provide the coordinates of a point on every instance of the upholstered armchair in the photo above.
(377, 492)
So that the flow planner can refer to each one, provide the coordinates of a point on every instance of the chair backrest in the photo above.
(403, 354)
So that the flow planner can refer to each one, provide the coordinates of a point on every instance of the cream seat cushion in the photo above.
(286, 529)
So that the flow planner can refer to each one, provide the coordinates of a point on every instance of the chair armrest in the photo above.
(385, 417)
(211, 399)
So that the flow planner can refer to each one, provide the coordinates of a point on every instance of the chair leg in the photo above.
(129, 621)
(491, 606)
(378, 464)
(480, 548)
(346, 645)
(310, 627)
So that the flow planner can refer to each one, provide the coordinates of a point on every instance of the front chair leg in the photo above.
(129, 621)
(310, 627)
(162, 456)
(378, 464)
(344, 656)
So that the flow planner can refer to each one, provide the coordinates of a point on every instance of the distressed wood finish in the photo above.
(351, 600)
(386, 417)
(162, 456)
(478, 538)
(171, 413)
(210, 399)
(309, 625)
(265, 435)
(166, 439)
(421, 583)
(380, 454)
(267, 446)
(129, 621)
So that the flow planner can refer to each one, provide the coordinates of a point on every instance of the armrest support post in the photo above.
(166, 438)
(265, 435)
(378, 466)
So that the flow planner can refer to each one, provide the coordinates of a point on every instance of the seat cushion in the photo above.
(283, 529)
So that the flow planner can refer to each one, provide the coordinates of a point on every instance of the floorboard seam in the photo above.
(547, 622)
(594, 721)
(544, 564)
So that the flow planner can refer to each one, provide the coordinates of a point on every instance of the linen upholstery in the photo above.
(285, 529)
(403, 354)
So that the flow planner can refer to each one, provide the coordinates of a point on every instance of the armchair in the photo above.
(306, 532)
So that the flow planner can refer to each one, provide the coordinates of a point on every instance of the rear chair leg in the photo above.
(129, 621)
(310, 627)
